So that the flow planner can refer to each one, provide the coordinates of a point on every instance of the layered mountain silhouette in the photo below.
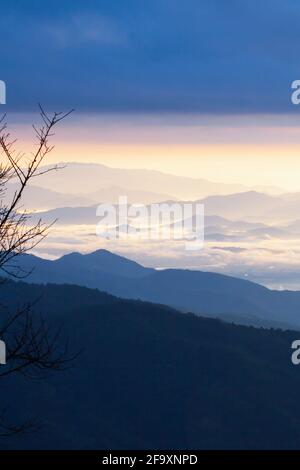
(74, 176)
(246, 207)
(148, 377)
(254, 206)
(200, 292)
(37, 198)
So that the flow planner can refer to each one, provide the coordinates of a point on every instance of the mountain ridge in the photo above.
(151, 377)
(74, 175)
(199, 292)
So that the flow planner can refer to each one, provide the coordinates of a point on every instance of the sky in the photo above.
(159, 55)
(198, 88)
(246, 149)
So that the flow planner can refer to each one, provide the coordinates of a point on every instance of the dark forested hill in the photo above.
(149, 377)
(199, 292)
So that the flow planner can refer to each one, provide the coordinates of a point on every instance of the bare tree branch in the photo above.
(33, 348)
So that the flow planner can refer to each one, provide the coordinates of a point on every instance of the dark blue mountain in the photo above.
(149, 377)
(195, 291)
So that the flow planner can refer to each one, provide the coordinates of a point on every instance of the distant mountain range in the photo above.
(203, 293)
(74, 177)
(241, 205)
(39, 198)
(242, 208)
(148, 377)
(254, 206)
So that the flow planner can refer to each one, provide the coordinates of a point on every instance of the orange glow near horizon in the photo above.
(246, 151)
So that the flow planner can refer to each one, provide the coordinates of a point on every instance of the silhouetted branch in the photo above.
(17, 235)
(32, 347)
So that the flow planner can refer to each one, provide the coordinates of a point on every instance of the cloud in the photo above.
(164, 55)
(78, 30)
(232, 249)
